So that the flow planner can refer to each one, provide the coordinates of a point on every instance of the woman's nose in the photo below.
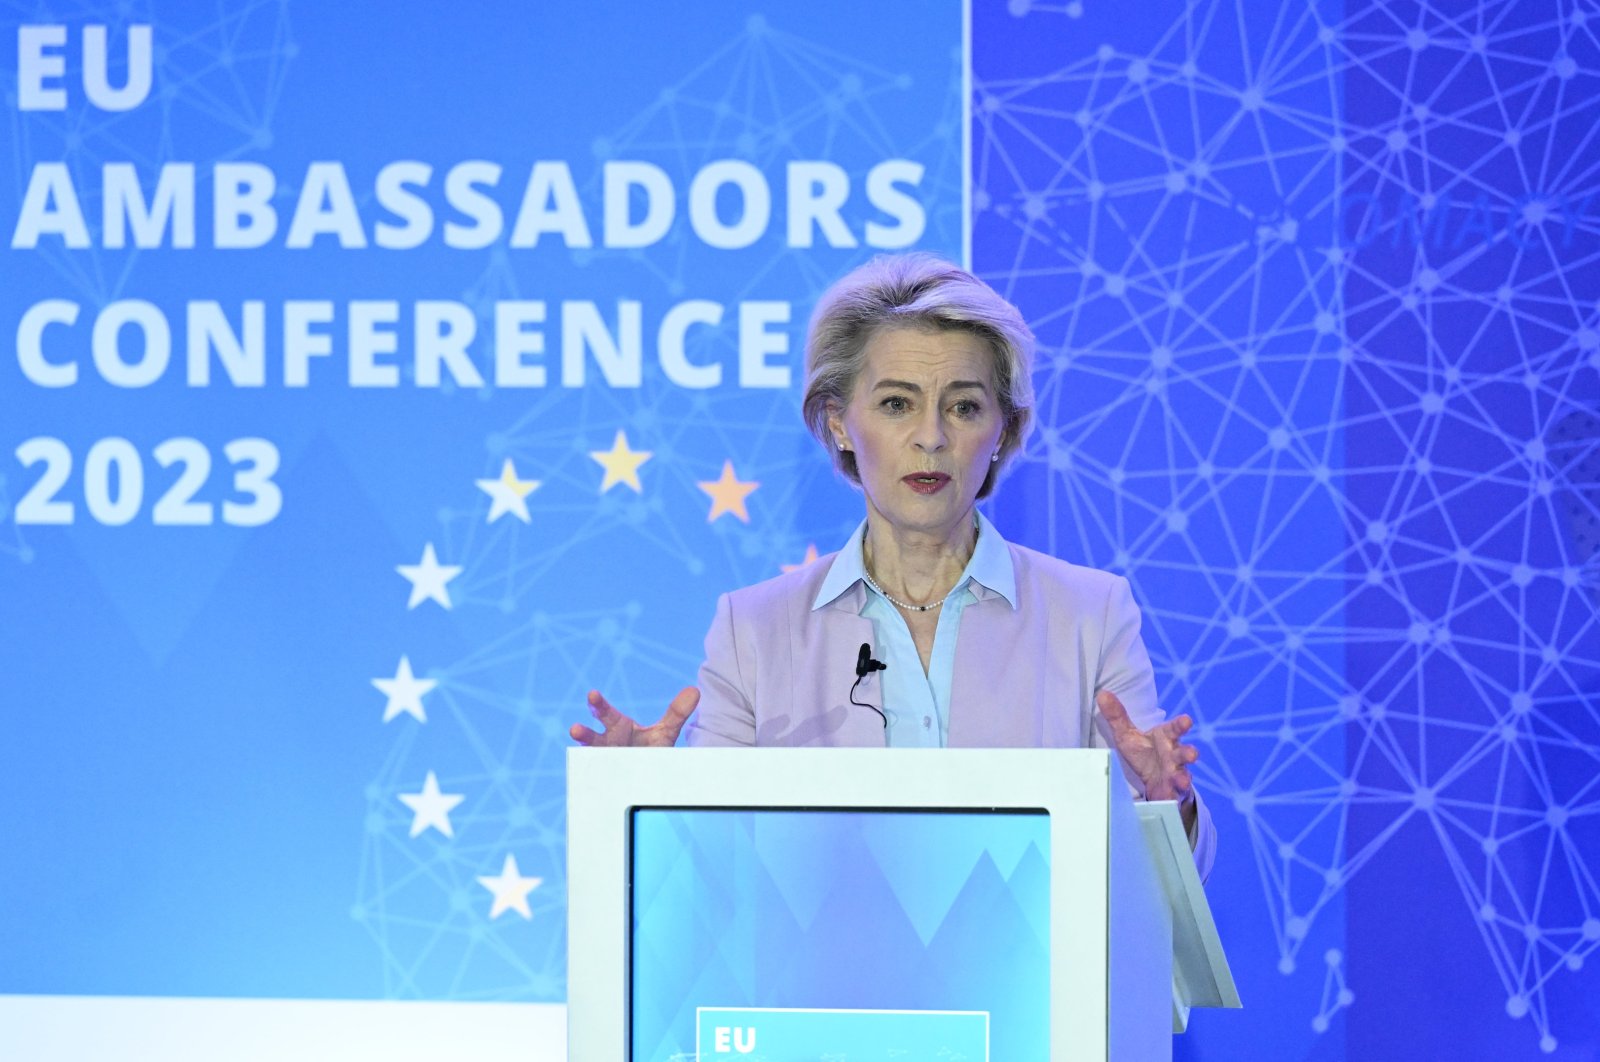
(930, 434)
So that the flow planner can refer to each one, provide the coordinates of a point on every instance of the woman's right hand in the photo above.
(619, 730)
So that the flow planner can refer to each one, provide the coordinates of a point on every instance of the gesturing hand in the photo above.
(1157, 757)
(618, 729)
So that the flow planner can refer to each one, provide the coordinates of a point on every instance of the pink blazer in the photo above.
(778, 672)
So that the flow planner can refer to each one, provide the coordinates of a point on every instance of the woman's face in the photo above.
(924, 422)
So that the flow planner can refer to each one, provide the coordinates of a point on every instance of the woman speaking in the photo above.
(927, 629)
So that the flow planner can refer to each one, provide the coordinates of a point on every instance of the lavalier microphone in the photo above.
(865, 666)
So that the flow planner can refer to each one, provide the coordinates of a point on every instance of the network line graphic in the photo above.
(1316, 292)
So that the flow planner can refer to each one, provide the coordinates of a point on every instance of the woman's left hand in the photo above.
(1157, 757)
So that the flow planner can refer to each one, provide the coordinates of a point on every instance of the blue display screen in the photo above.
(867, 934)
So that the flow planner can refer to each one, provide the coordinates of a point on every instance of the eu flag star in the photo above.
(510, 889)
(728, 494)
(811, 555)
(405, 692)
(428, 578)
(431, 808)
(508, 494)
(621, 464)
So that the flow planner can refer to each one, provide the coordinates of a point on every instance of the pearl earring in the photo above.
(995, 456)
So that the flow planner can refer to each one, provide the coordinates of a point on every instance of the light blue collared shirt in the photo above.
(917, 702)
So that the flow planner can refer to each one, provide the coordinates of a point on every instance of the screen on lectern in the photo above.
(861, 934)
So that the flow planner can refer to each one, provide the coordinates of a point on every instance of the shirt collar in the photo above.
(990, 567)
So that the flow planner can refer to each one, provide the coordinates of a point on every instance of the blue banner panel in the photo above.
(380, 378)
(841, 913)
(1318, 294)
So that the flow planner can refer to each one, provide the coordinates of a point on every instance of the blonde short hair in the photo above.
(924, 291)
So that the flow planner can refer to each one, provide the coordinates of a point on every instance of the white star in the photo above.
(431, 807)
(428, 578)
(405, 692)
(508, 494)
(510, 890)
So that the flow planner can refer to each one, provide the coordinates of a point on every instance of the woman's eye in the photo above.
(895, 404)
(966, 408)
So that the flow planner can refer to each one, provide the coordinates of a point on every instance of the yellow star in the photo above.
(728, 494)
(811, 555)
(621, 464)
(508, 494)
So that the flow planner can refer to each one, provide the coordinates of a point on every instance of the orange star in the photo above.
(811, 555)
(728, 494)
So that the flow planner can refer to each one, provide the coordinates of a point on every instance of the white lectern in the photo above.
(724, 902)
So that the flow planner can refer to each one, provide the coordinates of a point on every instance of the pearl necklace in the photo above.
(867, 573)
(906, 604)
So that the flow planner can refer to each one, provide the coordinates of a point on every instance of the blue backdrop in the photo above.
(1317, 289)
(285, 673)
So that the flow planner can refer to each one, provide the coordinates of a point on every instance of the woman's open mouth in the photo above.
(926, 482)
